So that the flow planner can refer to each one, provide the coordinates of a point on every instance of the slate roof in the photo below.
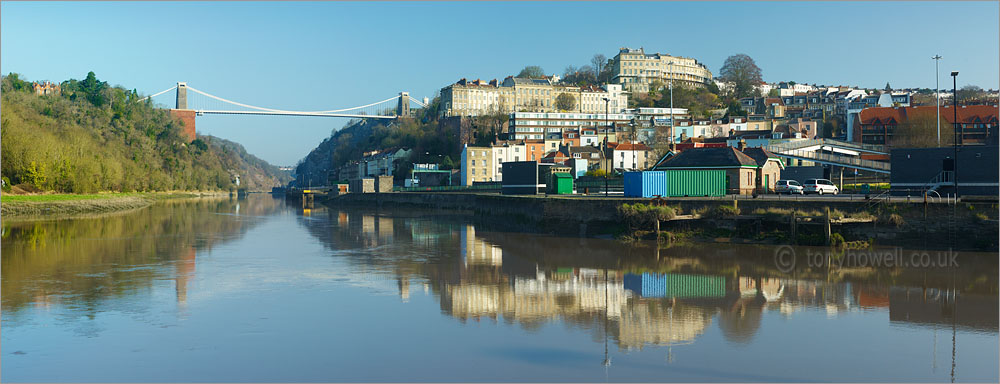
(727, 157)
(760, 155)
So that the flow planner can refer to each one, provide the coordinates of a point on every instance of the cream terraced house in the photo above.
(636, 70)
(475, 98)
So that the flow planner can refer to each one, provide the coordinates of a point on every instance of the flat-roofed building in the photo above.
(534, 125)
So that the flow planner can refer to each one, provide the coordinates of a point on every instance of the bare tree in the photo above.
(743, 73)
(598, 62)
(970, 93)
(921, 132)
(570, 69)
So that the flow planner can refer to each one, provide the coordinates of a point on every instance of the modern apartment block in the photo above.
(636, 70)
(534, 125)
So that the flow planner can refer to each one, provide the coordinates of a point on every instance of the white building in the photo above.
(534, 125)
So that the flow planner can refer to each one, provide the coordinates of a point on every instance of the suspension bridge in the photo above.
(199, 103)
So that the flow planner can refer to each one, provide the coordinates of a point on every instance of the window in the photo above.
(473, 163)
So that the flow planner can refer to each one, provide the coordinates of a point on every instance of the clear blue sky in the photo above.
(326, 55)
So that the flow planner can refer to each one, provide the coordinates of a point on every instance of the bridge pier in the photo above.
(186, 116)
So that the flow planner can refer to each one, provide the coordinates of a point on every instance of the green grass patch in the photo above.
(66, 197)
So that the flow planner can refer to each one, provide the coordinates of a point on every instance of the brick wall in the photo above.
(186, 116)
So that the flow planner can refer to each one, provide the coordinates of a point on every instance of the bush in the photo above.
(836, 240)
(640, 214)
(721, 211)
(893, 219)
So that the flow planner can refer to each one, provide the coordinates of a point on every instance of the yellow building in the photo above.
(636, 70)
(476, 163)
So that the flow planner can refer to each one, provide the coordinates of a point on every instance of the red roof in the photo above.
(631, 147)
(966, 114)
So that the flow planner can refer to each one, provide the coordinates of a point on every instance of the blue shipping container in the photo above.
(671, 285)
(645, 184)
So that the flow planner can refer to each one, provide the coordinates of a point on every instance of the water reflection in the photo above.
(639, 297)
(94, 264)
(474, 304)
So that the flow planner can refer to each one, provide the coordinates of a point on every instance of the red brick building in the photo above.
(977, 124)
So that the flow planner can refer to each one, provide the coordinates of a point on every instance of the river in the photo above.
(257, 290)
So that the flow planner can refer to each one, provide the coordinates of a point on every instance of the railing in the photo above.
(451, 188)
(796, 144)
(496, 187)
(848, 161)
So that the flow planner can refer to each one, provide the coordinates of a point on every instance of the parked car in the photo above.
(819, 187)
(788, 186)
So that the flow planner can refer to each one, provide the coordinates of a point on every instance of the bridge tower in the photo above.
(403, 107)
(182, 95)
(182, 113)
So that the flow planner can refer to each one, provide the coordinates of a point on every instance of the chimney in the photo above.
(741, 145)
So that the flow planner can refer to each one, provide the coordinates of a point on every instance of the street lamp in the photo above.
(671, 105)
(604, 148)
(635, 162)
(937, 94)
(954, 124)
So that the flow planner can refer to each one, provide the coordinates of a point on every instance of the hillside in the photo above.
(432, 141)
(91, 138)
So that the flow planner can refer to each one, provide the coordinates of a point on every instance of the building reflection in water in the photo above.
(531, 280)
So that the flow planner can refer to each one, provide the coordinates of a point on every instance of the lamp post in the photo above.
(604, 148)
(671, 105)
(954, 124)
(937, 94)
(635, 162)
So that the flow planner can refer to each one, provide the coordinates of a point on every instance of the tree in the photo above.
(13, 82)
(565, 102)
(743, 73)
(774, 92)
(970, 93)
(93, 89)
(887, 87)
(569, 71)
(920, 131)
(532, 72)
(581, 76)
(733, 108)
(598, 62)
(605, 74)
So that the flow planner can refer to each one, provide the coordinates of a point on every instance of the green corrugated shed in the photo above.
(563, 183)
(707, 182)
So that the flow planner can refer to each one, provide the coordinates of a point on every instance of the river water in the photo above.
(257, 290)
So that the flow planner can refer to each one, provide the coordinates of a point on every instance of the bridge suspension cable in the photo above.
(264, 110)
(158, 93)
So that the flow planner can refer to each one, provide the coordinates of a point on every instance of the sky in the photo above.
(331, 55)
